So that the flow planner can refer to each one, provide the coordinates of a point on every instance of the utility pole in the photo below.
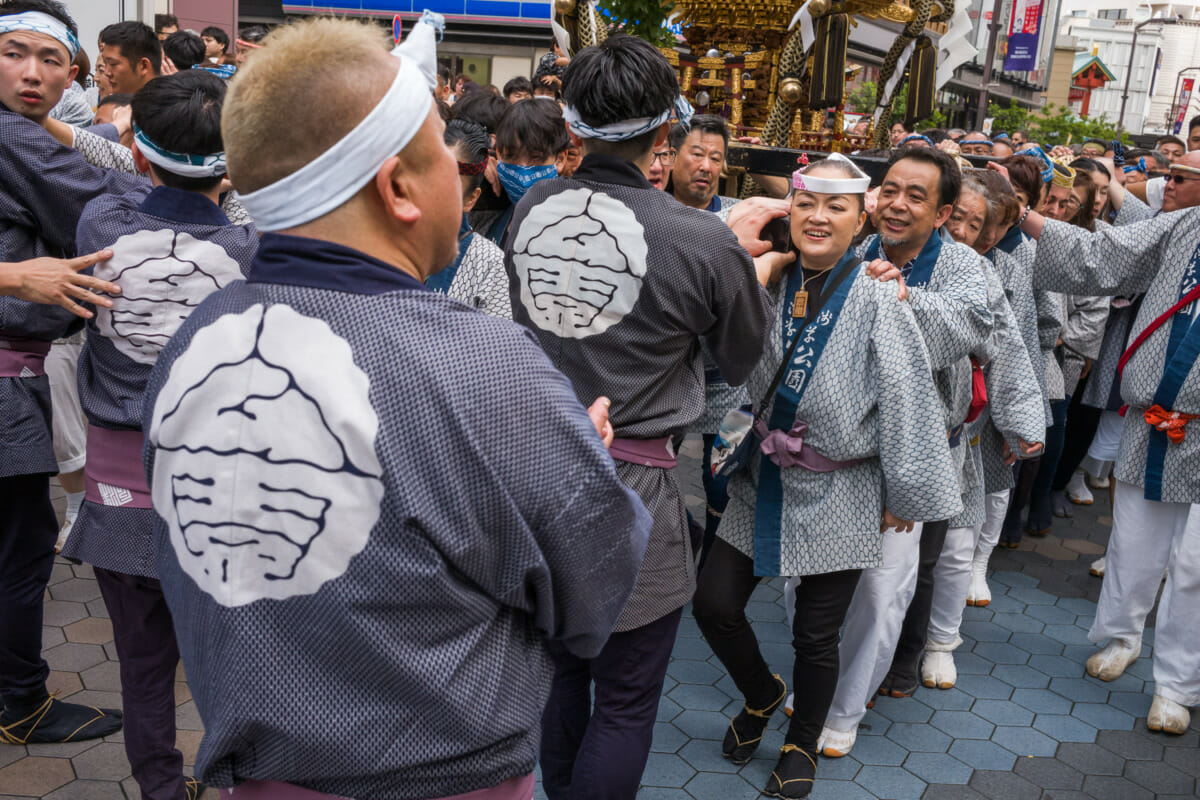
(993, 30)
(1129, 68)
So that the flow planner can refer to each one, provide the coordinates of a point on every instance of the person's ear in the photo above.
(71, 73)
(560, 161)
(395, 185)
(470, 200)
(576, 140)
(862, 220)
(664, 132)
(139, 161)
(943, 215)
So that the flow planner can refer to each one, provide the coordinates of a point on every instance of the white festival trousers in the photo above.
(1148, 537)
(872, 627)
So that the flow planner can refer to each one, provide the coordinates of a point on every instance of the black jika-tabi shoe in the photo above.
(192, 789)
(52, 721)
(746, 729)
(793, 776)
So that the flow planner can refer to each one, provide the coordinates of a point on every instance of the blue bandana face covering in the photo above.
(517, 180)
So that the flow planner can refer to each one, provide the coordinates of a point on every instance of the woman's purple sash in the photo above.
(113, 474)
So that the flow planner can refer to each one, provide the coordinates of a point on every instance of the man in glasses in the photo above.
(660, 167)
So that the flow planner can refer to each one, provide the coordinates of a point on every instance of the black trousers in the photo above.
(907, 658)
(28, 529)
(1082, 422)
(724, 587)
(145, 638)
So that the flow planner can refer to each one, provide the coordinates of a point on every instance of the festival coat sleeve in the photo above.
(53, 182)
(1014, 394)
(743, 309)
(954, 316)
(920, 481)
(1132, 210)
(1114, 260)
(104, 153)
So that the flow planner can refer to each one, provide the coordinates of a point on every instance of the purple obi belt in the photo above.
(647, 452)
(787, 449)
(514, 789)
(23, 358)
(113, 474)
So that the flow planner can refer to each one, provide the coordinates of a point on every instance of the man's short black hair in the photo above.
(483, 108)
(136, 41)
(950, 180)
(470, 141)
(532, 129)
(705, 123)
(517, 84)
(935, 135)
(116, 99)
(165, 21)
(182, 113)
(1168, 139)
(1195, 123)
(620, 79)
(185, 49)
(51, 7)
(216, 33)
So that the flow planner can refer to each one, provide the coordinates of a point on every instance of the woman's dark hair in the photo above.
(1003, 205)
(182, 113)
(1083, 216)
(949, 176)
(469, 142)
(221, 37)
(533, 129)
(1025, 175)
(185, 49)
(621, 78)
(1090, 165)
(482, 108)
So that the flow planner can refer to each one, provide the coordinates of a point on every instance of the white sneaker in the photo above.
(978, 593)
(1111, 662)
(1168, 716)
(1097, 567)
(835, 744)
(1077, 490)
(938, 670)
(64, 532)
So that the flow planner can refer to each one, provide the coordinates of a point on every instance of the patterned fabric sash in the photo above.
(514, 789)
(1183, 347)
(1173, 423)
(23, 358)
(918, 271)
(768, 516)
(113, 474)
(440, 281)
(647, 452)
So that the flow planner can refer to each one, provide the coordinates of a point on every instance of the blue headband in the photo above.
(915, 136)
(186, 166)
(43, 23)
(1040, 155)
(222, 71)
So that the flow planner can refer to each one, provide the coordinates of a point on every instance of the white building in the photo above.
(1168, 48)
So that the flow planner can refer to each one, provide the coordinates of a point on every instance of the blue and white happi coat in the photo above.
(1159, 257)
(171, 250)
(869, 396)
(373, 498)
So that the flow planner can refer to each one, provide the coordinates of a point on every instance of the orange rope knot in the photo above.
(1174, 423)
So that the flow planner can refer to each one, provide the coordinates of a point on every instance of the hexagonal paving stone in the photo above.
(1067, 634)
(705, 756)
(836, 769)
(1080, 690)
(700, 724)
(686, 670)
(1020, 676)
(668, 709)
(985, 631)
(76, 590)
(939, 767)
(1131, 745)
(1024, 741)
(1036, 643)
(1049, 773)
(667, 738)
(1159, 778)
(1090, 759)
(1065, 728)
(903, 710)
(952, 699)
(891, 782)
(711, 786)
(1002, 712)
(970, 664)
(88, 790)
(104, 762)
(839, 790)
(74, 656)
(1185, 759)
(1052, 615)
(703, 698)
(51, 637)
(1013, 578)
(662, 793)
(919, 738)
(1102, 787)
(874, 724)
(36, 776)
(667, 769)
(96, 608)
(57, 613)
(938, 791)
(1019, 623)
(105, 677)
(981, 754)
(92, 630)
(1001, 653)
(1032, 597)
(694, 649)
(1002, 785)
(962, 725)
(984, 687)
(1057, 666)
(1104, 716)
(878, 751)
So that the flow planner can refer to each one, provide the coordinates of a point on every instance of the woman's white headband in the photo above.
(824, 184)
(328, 181)
(40, 22)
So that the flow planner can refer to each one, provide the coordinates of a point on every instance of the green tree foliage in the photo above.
(862, 99)
(1053, 124)
(642, 18)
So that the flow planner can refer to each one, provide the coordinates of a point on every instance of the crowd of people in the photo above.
(373, 420)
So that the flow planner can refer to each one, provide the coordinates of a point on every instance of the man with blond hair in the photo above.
(374, 504)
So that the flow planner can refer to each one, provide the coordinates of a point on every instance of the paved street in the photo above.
(1023, 722)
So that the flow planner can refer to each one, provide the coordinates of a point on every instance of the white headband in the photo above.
(40, 22)
(328, 181)
(182, 164)
(821, 184)
(630, 128)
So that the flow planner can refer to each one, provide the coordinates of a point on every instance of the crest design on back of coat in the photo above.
(245, 400)
(580, 257)
(162, 281)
